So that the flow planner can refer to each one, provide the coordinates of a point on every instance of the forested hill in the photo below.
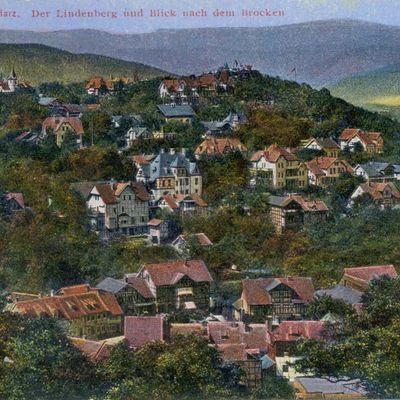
(38, 63)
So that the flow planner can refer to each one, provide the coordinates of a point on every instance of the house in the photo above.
(316, 388)
(217, 147)
(61, 126)
(9, 85)
(169, 173)
(274, 298)
(278, 168)
(119, 207)
(359, 278)
(384, 195)
(282, 341)
(29, 137)
(133, 296)
(230, 123)
(370, 142)
(198, 239)
(182, 203)
(135, 133)
(173, 90)
(96, 350)
(98, 86)
(178, 113)
(86, 312)
(139, 331)
(14, 201)
(158, 231)
(181, 284)
(323, 171)
(293, 212)
(376, 171)
(326, 145)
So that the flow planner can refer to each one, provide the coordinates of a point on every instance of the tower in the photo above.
(12, 80)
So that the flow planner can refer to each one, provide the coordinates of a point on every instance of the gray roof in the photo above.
(374, 169)
(322, 385)
(228, 122)
(45, 101)
(266, 362)
(276, 200)
(111, 285)
(341, 292)
(171, 111)
(83, 188)
(162, 165)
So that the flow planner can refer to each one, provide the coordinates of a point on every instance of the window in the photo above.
(196, 181)
(285, 368)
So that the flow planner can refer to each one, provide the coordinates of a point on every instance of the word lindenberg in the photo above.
(156, 13)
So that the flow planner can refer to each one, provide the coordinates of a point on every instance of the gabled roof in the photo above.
(173, 202)
(219, 146)
(140, 285)
(272, 154)
(365, 137)
(308, 206)
(349, 133)
(94, 350)
(289, 331)
(255, 290)
(83, 188)
(139, 331)
(376, 189)
(200, 238)
(55, 123)
(168, 273)
(109, 191)
(374, 169)
(368, 273)
(319, 165)
(71, 302)
(176, 111)
(341, 292)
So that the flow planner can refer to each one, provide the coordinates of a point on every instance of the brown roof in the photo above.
(141, 286)
(110, 192)
(376, 189)
(367, 273)
(255, 291)
(319, 165)
(273, 153)
(365, 137)
(169, 273)
(71, 302)
(255, 337)
(94, 351)
(306, 205)
(225, 332)
(55, 123)
(201, 238)
(155, 222)
(139, 331)
(289, 331)
(349, 133)
(214, 146)
(173, 201)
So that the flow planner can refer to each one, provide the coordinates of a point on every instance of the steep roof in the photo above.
(319, 165)
(55, 123)
(71, 302)
(272, 154)
(376, 189)
(256, 291)
(174, 201)
(200, 238)
(111, 285)
(94, 350)
(368, 273)
(341, 292)
(109, 191)
(140, 285)
(139, 331)
(349, 133)
(169, 273)
(219, 146)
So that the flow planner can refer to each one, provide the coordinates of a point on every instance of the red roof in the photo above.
(233, 351)
(94, 351)
(17, 197)
(349, 133)
(169, 273)
(141, 286)
(289, 331)
(139, 331)
(55, 123)
(71, 302)
(225, 332)
(368, 273)
(273, 153)
(376, 189)
(319, 165)
(173, 201)
(366, 137)
(256, 291)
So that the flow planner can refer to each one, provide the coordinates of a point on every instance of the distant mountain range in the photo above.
(38, 63)
(322, 51)
(377, 90)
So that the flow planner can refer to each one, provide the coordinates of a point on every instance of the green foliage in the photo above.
(320, 307)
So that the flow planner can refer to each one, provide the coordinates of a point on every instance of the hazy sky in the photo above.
(294, 11)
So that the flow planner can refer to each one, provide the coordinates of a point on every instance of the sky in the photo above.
(42, 14)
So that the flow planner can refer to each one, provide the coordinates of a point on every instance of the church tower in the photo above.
(12, 80)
